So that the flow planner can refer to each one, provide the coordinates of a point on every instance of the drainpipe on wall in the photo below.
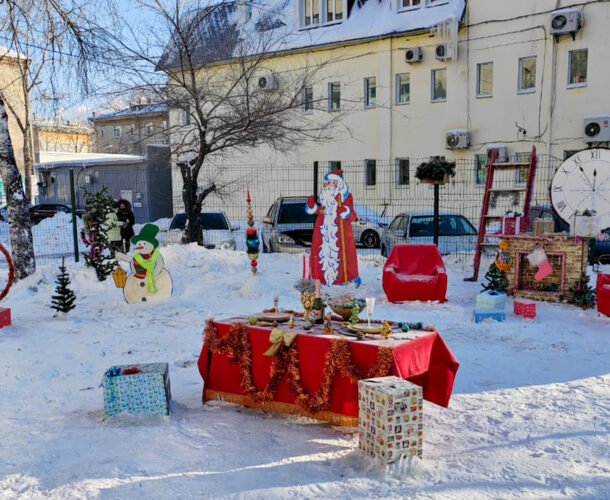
(551, 98)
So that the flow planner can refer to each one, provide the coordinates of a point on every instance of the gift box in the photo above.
(389, 419)
(514, 224)
(5, 317)
(586, 226)
(490, 299)
(541, 227)
(141, 389)
(525, 308)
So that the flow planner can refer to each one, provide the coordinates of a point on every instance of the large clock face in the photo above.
(582, 182)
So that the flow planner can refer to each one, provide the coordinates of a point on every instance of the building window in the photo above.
(131, 130)
(101, 132)
(307, 100)
(334, 10)
(164, 125)
(403, 88)
(577, 68)
(370, 172)
(432, 3)
(480, 170)
(310, 13)
(521, 173)
(527, 75)
(116, 131)
(185, 116)
(149, 129)
(334, 96)
(370, 92)
(485, 79)
(409, 4)
(439, 85)
(334, 165)
(402, 172)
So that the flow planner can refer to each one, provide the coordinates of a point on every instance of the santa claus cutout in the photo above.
(333, 259)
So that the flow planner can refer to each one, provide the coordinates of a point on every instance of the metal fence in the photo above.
(378, 187)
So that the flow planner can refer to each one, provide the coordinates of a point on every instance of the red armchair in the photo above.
(414, 272)
(602, 292)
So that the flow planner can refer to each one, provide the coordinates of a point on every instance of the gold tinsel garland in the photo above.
(338, 359)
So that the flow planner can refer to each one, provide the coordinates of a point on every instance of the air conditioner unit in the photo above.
(565, 21)
(597, 128)
(501, 153)
(457, 139)
(442, 51)
(413, 55)
(267, 82)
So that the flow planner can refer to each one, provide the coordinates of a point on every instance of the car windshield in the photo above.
(448, 225)
(294, 213)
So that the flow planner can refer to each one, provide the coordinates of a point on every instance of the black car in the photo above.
(599, 250)
(46, 210)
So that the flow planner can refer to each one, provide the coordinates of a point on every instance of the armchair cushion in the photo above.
(414, 272)
(602, 290)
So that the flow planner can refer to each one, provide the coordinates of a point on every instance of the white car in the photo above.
(456, 232)
(217, 231)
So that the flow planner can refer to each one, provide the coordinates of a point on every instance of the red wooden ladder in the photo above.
(529, 188)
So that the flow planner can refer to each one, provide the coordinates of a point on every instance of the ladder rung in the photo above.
(509, 190)
(512, 164)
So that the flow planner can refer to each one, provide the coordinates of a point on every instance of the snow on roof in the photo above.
(6, 52)
(58, 160)
(216, 36)
(138, 109)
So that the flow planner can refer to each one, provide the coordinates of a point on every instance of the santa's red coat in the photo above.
(348, 260)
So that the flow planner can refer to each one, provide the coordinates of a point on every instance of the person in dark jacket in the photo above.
(127, 220)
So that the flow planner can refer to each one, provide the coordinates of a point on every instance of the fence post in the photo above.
(436, 200)
(74, 230)
(315, 180)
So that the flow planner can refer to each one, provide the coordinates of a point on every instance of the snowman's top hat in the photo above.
(147, 233)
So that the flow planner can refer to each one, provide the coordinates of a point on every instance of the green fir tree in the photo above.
(64, 298)
(97, 207)
(583, 294)
(496, 279)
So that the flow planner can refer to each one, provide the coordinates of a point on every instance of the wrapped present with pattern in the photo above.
(491, 299)
(587, 226)
(141, 389)
(540, 227)
(525, 308)
(390, 419)
(514, 224)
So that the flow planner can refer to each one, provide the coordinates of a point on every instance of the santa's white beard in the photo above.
(329, 251)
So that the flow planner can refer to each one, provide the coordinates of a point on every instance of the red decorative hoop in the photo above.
(11, 272)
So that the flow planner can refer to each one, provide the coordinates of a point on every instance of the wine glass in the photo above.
(370, 305)
(276, 300)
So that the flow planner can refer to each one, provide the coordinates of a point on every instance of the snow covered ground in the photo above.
(529, 417)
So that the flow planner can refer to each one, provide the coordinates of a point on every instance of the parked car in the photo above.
(46, 210)
(599, 250)
(456, 233)
(217, 231)
(287, 227)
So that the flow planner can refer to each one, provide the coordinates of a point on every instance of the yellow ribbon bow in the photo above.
(276, 337)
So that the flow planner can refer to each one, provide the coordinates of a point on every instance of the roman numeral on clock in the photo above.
(557, 189)
(560, 205)
(595, 154)
(577, 161)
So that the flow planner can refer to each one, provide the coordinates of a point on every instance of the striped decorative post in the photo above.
(252, 241)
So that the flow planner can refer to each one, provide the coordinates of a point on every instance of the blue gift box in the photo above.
(146, 392)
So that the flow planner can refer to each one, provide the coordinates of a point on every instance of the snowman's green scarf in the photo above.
(149, 265)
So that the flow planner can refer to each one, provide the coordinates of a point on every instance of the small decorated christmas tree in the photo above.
(64, 298)
(496, 279)
(583, 294)
(97, 207)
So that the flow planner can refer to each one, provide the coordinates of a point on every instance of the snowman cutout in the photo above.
(149, 280)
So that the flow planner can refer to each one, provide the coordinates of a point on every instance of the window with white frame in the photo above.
(310, 13)
(480, 170)
(334, 96)
(485, 79)
(149, 129)
(403, 88)
(370, 172)
(334, 165)
(521, 172)
(116, 131)
(333, 11)
(527, 75)
(577, 68)
(132, 129)
(307, 100)
(185, 116)
(409, 4)
(439, 85)
(370, 92)
(402, 172)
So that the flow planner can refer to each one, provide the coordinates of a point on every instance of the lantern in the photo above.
(119, 276)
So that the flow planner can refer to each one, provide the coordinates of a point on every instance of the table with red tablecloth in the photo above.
(420, 357)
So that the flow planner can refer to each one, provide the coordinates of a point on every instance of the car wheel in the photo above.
(370, 239)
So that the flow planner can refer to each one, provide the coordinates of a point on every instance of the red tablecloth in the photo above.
(425, 361)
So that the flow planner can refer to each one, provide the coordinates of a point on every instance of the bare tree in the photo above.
(42, 34)
(212, 58)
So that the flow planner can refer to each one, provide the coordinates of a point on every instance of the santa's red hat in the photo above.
(334, 175)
